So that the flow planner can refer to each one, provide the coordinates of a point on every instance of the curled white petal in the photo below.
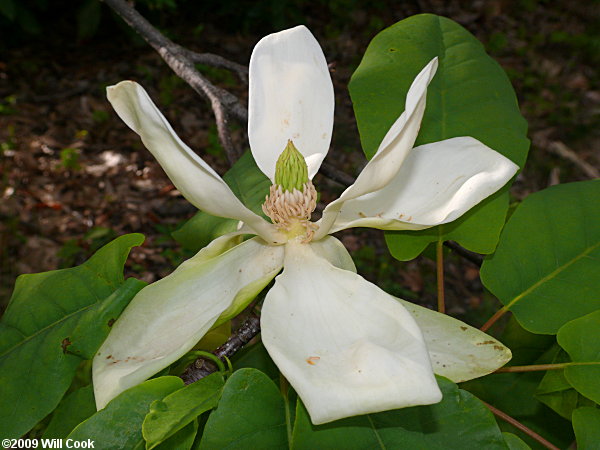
(437, 184)
(166, 318)
(392, 152)
(346, 347)
(457, 350)
(195, 179)
(290, 97)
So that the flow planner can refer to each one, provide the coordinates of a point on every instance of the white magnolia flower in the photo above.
(346, 346)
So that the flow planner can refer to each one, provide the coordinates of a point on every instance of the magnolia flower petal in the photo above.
(166, 318)
(457, 350)
(437, 183)
(290, 97)
(392, 152)
(346, 346)
(195, 179)
(331, 249)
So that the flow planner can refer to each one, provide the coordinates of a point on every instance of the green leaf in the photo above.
(183, 439)
(459, 421)
(555, 392)
(250, 414)
(514, 442)
(201, 229)
(256, 356)
(581, 339)
(43, 322)
(546, 269)
(176, 411)
(514, 393)
(470, 95)
(248, 183)
(119, 424)
(586, 422)
(74, 409)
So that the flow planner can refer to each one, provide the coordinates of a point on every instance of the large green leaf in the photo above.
(248, 183)
(255, 356)
(581, 339)
(546, 269)
(586, 422)
(119, 424)
(55, 319)
(174, 412)
(251, 414)
(459, 421)
(470, 95)
(74, 409)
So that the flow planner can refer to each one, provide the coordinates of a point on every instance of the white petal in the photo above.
(290, 97)
(457, 351)
(166, 318)
(392, 152)
(346, 346)
(437, 183)
(195, 179)
(331, 249)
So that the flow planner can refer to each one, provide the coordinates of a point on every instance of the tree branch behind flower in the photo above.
(181, 61)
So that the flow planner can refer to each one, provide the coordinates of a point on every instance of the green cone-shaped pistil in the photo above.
(291, 171)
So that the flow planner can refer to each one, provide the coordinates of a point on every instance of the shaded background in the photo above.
(73, 177)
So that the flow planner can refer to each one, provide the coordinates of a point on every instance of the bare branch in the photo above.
(560, 149)
(203, 367)
(330, 171)
(475, 258)
(177, 58)
(218, 61)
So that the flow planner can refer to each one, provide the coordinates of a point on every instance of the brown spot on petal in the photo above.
(463, 328)
(312, 360)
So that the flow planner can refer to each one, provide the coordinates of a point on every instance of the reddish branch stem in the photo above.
(515, 423)
(440, 276)
(486, 326)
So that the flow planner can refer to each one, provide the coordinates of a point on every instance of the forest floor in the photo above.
(73, 176)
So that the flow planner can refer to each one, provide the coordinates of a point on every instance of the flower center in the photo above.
(292, 198)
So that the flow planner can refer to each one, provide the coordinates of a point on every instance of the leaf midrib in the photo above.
(53, 324)
(551, 275)
(376, 433)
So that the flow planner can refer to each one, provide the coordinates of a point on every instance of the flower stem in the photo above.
(440, 276)
(494, 318)
(515, 423)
